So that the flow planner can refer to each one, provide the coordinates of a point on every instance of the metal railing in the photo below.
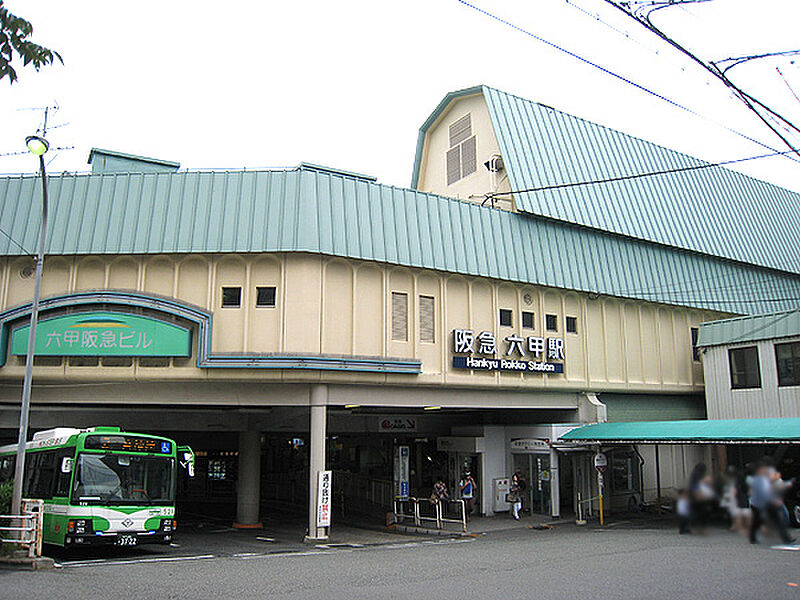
(423, 510)
(25, 529)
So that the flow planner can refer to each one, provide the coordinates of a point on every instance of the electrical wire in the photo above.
(750, 101)
(16, 243)
(791, 89)
(570, 184)
(615, 75)
(624, 33)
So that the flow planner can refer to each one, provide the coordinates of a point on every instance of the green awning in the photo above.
(722, 431)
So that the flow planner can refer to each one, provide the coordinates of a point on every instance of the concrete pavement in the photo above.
(621, 562)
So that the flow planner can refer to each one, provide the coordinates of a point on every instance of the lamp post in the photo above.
(37, 146)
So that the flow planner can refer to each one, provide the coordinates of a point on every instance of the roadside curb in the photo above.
(27, 564)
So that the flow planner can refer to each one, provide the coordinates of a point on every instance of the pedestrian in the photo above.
(468, 489)
(684, 511)
(701, 496)
(740, 508)
(439, 492)
(516, 489)
(767, 502)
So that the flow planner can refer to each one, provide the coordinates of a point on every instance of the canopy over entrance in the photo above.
(723, 431)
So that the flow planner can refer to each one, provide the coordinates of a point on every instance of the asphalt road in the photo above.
(567, 562)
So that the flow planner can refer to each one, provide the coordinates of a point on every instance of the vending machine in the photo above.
(500, 489)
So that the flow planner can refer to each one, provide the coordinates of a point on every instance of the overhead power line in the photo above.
(570, 184)
(643, 18)
(15, 242)
(738, 60)
(617, 75)
(791, 89)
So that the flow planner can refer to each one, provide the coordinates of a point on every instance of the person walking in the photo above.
(468, 489)
(518, 486)
(766, 502)
(684, 511)
(439, 492)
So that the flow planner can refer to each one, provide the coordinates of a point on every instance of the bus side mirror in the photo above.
(66, 464)
(188, 459)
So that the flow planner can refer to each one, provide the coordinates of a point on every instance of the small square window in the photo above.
(744, 366)
(265, 296)
(572, 324)
(231, 297)
(527, 320)
(551, 322)
(506, 318)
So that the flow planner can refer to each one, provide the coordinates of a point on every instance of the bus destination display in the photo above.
(127, 443)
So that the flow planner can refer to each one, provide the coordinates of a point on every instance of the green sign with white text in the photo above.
(104, 334)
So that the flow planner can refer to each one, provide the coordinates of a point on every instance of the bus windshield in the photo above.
(116, 479)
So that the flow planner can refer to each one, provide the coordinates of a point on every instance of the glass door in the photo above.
(540, 484)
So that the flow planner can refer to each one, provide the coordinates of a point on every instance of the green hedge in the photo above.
(6, 491)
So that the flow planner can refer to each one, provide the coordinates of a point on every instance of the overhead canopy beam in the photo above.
(722, 431)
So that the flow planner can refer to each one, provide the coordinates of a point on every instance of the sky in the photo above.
(347, 84)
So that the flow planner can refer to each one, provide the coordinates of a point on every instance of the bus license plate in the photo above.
(126, 540)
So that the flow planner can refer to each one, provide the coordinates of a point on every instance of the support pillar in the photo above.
(658, 479)
(318, 401)
(248, 488)
(555, 485)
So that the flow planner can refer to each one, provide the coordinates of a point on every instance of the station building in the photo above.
(283, 322)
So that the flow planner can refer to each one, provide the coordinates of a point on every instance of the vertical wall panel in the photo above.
(229, 322)
(91, 274)
(338, 308)
(368, 322)
(265, 322)
(123, 274)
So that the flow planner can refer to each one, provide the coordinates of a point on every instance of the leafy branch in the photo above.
(14, 34)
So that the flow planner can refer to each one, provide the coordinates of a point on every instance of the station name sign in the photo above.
(522, 355)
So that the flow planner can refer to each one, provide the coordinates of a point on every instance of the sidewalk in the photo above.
(504, 522)
(483, 525)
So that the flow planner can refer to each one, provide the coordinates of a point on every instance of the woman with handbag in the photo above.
(515, 492)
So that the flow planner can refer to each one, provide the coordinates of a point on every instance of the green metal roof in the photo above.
(750, 329)
(695, 431)
(131, 159)
(713, 210)
(307, 210)
(313, 167)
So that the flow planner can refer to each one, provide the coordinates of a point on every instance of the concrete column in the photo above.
(319, 406)
(248, 488)
(555, 485)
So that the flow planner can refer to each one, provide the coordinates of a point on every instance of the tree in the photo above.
(14, 34)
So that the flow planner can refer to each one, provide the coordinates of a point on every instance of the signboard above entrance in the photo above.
(528, 444)
(104, 334)
(532, 354)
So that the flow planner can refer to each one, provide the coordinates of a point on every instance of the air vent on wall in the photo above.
(27, 271)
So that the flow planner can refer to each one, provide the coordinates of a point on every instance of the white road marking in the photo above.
(284, 554)
(99, 562)
(243, 554)
(787, 547)
(265, 539)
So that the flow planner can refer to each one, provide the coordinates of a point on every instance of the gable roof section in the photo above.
(437, 112)
(308, 210)
(712, 210)
(750, 329)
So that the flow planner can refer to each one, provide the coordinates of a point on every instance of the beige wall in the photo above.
(335, 306)
(433, 167)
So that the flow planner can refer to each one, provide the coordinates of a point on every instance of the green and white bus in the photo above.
(102, 485)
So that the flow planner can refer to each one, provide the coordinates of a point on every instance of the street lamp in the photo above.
(37, 146)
